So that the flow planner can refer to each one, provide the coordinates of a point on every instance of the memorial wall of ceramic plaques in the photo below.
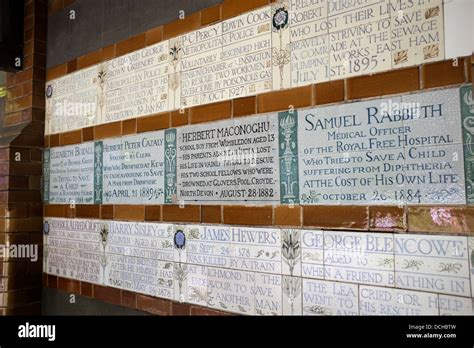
(408, 150)
(288, 44)
(414, 149)
(268, 271)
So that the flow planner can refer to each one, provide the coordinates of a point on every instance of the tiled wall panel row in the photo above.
(284, 45)
(405, 150)
(267, 271)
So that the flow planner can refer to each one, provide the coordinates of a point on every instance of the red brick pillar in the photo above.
(21, 143)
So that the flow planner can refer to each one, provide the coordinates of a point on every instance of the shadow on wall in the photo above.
(100, 23)
(56, 302)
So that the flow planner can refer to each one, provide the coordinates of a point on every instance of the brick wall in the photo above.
(361, 218)
(21, 141)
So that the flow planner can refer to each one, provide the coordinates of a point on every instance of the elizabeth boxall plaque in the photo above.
(71, 174)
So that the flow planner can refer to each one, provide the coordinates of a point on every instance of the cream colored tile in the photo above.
(268, 294)
(329, 298)
(141, 275)
(75, 100)
(385, 301)
(452, 305)
(137, 83)
(247, 55)
(231, 291)
(437, 264)
(359, 50)
(255, 249)
(208, 245)
(417, 36)
(144, 240)
(312, 254)
(74, 249)
(363, 258)
(292, 301)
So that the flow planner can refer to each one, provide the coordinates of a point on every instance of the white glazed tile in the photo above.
(453, 305)
(457, 22)
(255, 249)
(74, 249)
(133, 169)
(432, 263)
(247, 55)
(175, 54)
(72, 174)
(310, 60)
(343, 14)
(208, 245)
(76, 100)
(408, 5)
(364, 258)
(145, 276)
(197, 285)
(360, 49)
(268, 294)
(409, 46)
(329, 298)
(196, 175)
(308, 19)
(181, 274)
(385, 301)
(137, 83)
(309, 47)
(175, 77)
(362, 149)
(312, 254)
(434, 167)
(291, 251)
(316, 180)
(337, 147)
(292, 299)
(201, 47)
(175, 87)
(231, 291)
(144, 240)
(201, 64)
